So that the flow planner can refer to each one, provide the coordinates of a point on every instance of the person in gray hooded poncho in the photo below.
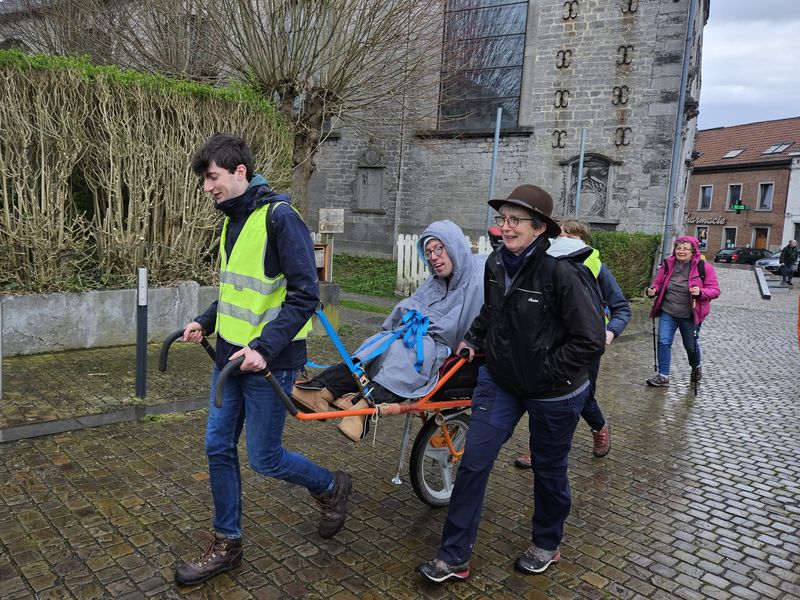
(450, 298)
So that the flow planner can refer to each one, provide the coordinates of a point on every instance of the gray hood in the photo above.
(561, 247)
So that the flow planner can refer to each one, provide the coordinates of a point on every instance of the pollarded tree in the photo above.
(354, 61)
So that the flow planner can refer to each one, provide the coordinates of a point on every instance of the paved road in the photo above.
(699, 497)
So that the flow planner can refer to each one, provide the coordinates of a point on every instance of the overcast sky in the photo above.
(751, 62)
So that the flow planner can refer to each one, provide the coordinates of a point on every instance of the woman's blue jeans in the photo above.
(667, 324)
(495, 414)
(250, 395)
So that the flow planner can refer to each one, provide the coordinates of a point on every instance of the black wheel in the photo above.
(432, 467)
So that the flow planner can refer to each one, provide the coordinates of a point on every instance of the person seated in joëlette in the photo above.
(402, 361)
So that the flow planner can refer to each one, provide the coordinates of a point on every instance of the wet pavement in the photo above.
(699, 497)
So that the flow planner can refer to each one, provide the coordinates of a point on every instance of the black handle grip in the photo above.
(162, 357)
(233, 365)
(464, 353)
(276, 387)
(223, 375)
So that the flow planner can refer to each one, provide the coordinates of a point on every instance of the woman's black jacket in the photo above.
(538, 343)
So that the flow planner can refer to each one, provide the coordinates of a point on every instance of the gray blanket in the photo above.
(450, 305)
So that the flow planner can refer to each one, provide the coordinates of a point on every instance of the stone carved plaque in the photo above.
(594, 188)
(369, 186)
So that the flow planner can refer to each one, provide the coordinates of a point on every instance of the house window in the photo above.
(734, 153)
(701, 233)
(484, 47)
(729, 237)
(765, 196)
(734, 195)
(777, 148)
(706, 192)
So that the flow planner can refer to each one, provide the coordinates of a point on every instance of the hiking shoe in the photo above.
(312, 400)
(222, 554)
(333, 505)
(658, 380)
(437, 570)
(536, 560)
(697, 374)
(602, 442)
(355, 428)
(524, 461)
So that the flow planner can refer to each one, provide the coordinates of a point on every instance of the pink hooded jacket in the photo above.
(708, 289)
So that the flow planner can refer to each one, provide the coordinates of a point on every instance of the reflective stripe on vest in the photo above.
(248, 299)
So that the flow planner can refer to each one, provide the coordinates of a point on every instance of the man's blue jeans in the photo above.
(251, 396)
(667, 325)
(495, 413)
(787, 272)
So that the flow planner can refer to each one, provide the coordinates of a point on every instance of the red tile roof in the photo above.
(713, 144)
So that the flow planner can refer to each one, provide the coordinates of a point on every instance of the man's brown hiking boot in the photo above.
(222, 554)
(333, 505)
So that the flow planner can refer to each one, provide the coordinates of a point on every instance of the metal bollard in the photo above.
(141, 335)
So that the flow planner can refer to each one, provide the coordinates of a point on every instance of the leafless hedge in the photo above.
(94, 176)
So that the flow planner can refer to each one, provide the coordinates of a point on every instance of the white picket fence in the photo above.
(412, 270)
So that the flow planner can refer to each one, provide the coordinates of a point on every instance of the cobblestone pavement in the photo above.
(699, 497)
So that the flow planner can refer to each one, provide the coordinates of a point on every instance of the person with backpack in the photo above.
(574, 236)
(683, 290)
(539, 330)
(267, 293)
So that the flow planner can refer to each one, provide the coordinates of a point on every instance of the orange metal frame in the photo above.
(421, 405)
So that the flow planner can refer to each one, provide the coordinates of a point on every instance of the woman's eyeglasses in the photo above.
(435, 251)
(512, 220)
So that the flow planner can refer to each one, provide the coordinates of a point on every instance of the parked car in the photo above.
(772, 265)
(748, 256)
(724, 255)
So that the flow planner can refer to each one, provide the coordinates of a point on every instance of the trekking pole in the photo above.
(655, 350)
(694, 345)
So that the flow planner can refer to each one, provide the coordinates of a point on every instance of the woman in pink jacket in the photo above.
(683, 296)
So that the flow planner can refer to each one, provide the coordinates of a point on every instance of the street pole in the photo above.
(579, 184)
(666, 242)
(494, 164)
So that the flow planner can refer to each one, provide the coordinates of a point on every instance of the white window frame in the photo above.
(728, 197)
(710, 200)
(758, 196)
(735, 236)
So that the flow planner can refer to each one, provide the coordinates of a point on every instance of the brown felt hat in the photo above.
(534, 199)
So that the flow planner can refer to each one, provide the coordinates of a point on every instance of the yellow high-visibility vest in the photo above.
(248, 299)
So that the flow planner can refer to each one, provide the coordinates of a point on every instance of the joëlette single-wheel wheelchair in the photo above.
(444, 413)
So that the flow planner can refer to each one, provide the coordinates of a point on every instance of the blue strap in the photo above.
(326, 324)
(356, 370)
(413, 330)
(314, 365)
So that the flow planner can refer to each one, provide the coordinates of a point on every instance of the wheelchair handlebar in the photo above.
(234, 365)
(162, 357)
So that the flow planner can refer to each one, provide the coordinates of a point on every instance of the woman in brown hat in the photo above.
(539, 329)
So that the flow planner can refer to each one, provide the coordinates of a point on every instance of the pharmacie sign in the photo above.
(705, 220)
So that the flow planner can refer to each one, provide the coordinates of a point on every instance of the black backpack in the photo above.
(588, 280)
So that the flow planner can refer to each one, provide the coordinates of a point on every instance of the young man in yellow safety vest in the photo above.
(268, 291)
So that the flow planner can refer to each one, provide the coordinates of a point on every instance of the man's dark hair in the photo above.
(228, 151)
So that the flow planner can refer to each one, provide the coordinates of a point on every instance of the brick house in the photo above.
(755, 166)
